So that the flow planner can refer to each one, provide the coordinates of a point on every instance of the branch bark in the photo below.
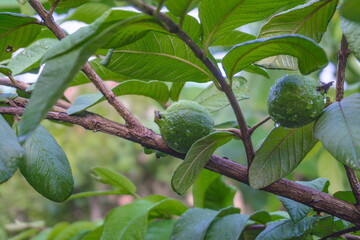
(130, 120)
(318, 200)
(342, 56)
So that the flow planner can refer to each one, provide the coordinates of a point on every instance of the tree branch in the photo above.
(253, 128)
(340, 233)
(313, 198)
(174, 28)
(130, 120)
(342, 56)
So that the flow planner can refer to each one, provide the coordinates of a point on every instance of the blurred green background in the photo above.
(86, 149)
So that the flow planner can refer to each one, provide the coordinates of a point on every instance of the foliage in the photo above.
(159, 55)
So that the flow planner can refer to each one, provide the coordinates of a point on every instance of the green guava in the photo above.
(183, 123)
(295, 101)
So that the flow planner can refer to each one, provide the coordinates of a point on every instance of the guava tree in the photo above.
(146, 52)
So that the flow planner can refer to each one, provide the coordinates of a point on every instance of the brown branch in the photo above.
(53, 7)
(313, 198)
(253, 128)
(89, 71)
(342, 56)
(340, 233)
(172, 27)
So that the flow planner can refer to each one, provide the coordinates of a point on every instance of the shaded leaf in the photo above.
(346, 196)
(46, 167)
(309, 20)
(160, 230)
(343, 115)
(159, 56)
(194, 223)
(309, 54)
(213, 99)
(87, 12)
(257, 70)
(211, 191)
(281, 152)
(25, 234)
(227, 227)
(16, 31)
(286, 229)
(233, 38)
(175, 90)
(10, 151)
(350, 9)
(114, 179)
(261, 216)
(95, 193)
(5, 70)
(220, 17)
(30, 57)
(58, 228)
(196, 158)
(74, 229)
(153, 89)
(351, 31)
(65, 59)
(94, 234)
(298, 211)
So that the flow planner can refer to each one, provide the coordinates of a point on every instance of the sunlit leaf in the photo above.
(350, 9)
(46, 167)
(175, 90)
(281, 152)
(74, 229)
(160, 230)
(87, 12)
(213, 99)
(310, 20)
(16, 31)
(181, 7)
(227, 227)
(220, 18)
(309, 54)
(69, 3)
(10, 151)
(343, 115)
(196, 158)
(153, 89)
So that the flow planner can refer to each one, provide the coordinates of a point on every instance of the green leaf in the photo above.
(130, 221)
(261, 216)
(153, 89)
(310, 20)
(175, 90)
(64, 60)
(328, 225)
(159, 56)
(94, 234)
(74, 229)
(196, 158)
(104, 73)
(211, 191)
(181, 7)
(114, 179)
(281, 152)
(5, 70)
(257, 70)
(350, 9)
(57, 229)
(194, 223)
(286, 230)
(233, 38)
(46, 167)
(25, 234)
(351, 31)
(213, 99)
(10, 151)
(16, 31)
(69, 3)
(96, 193)
(343, 115)
(87, 12)
(298, 211)
(220, 18)
(227, 227)
(346, 196)
(30, 57)
(309, 54)
(160, 230)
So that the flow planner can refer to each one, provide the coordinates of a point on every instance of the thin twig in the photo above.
(89, 71)
(172, 27)
(342, 56)
(53, 7)
(342, 232)
(253, 128)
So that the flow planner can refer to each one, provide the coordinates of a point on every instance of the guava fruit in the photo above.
(294, 101)
(183, 123)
